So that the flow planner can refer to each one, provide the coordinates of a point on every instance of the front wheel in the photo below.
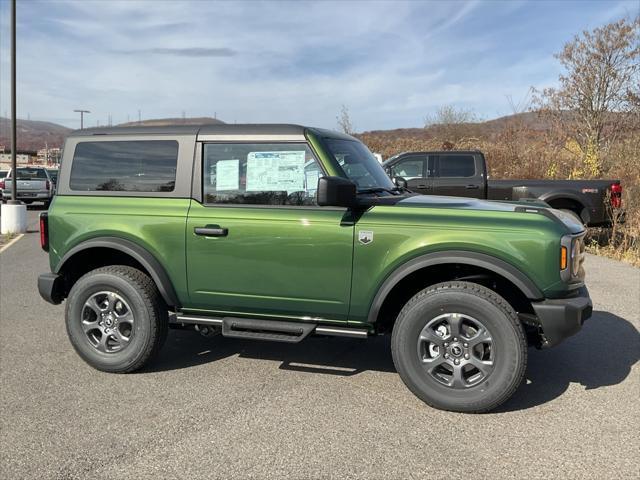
(459, 346)
(116, 319)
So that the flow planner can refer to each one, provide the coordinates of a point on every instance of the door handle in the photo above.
(211, 231)
(422, 185)
(472, 187)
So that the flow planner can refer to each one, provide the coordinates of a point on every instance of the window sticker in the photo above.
(275, 171)
(227, 176)
(312, 181)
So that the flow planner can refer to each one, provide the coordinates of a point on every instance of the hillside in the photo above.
(32, 134)
(163, 122)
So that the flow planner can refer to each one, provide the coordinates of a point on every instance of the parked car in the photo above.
(464, 174)
(278, 232)
(34, 185)
(3, 174)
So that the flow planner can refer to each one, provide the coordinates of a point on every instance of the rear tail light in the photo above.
(47, 185)
(2, 185)
(616, 195)
(44, 231)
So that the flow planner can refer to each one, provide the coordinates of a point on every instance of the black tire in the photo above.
(148, 330)
(460, 300)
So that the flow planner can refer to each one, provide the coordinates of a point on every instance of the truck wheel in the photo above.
(116, 319)
(459, 346)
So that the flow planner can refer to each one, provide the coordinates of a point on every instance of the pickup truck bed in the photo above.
(464, 174)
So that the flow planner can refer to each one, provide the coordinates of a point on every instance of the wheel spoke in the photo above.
(482, 336)
(122, 340)
(93, 305)
(485, 367)
(428, 335)
(102, 344)
(125, 318)
(433, 363)
(88, 326)
(457, 380)
(455, 324)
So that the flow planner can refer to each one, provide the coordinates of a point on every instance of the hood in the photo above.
(462, 203)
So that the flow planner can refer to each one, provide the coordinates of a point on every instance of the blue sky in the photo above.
(391, 63)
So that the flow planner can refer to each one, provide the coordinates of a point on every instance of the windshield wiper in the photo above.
(376, 190)
(392, 191)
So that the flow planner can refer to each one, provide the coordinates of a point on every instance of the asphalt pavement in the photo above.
(325, 408)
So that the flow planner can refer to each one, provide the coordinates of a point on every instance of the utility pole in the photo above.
(82, 112)
(139, 117)
(14, 213)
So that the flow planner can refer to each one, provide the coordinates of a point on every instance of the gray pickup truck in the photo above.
(464, 174)
(34, 185)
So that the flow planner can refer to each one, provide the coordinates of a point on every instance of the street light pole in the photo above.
(82, 112)
(14, 213)
(14, 142)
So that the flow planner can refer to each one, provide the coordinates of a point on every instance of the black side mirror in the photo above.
(400, 182)
(336, 192)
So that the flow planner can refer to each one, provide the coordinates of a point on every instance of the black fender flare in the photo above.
(500, 267)
(140, 254)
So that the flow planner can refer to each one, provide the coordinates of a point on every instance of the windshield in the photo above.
(359, 164)
(31, 174)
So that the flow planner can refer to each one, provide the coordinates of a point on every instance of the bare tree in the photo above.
(344, 121)
(450, 122)
(599, 89)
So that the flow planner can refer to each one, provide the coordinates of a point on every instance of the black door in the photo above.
(457, 175)
(413, 168)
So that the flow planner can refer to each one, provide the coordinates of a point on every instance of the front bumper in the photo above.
(51, 287)
(560, 318)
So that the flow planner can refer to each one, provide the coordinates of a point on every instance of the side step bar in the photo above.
(274, 330)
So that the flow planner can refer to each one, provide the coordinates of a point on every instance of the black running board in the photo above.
(273, 330)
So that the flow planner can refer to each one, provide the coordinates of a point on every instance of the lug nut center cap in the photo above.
(456, 350)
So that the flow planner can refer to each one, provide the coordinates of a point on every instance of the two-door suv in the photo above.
(277, 232)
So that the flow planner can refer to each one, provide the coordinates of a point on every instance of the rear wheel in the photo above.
(116, 319)
(459, 346)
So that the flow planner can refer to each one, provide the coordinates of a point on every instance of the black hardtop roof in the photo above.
(222, 129)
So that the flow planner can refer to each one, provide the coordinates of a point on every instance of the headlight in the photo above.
(571, 256)
(575, 257)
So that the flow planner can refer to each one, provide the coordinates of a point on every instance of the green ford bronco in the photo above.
(277, 232)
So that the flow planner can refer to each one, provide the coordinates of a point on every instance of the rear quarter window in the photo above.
(125, 166)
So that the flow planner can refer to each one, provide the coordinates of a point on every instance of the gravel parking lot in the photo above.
(325, 408)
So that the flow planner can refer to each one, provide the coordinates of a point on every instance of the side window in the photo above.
(456, 166)
(260, 174)
(411, 167)
(125, 166)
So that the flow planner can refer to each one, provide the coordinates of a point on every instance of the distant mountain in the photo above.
(163, 122)
(32, 134)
